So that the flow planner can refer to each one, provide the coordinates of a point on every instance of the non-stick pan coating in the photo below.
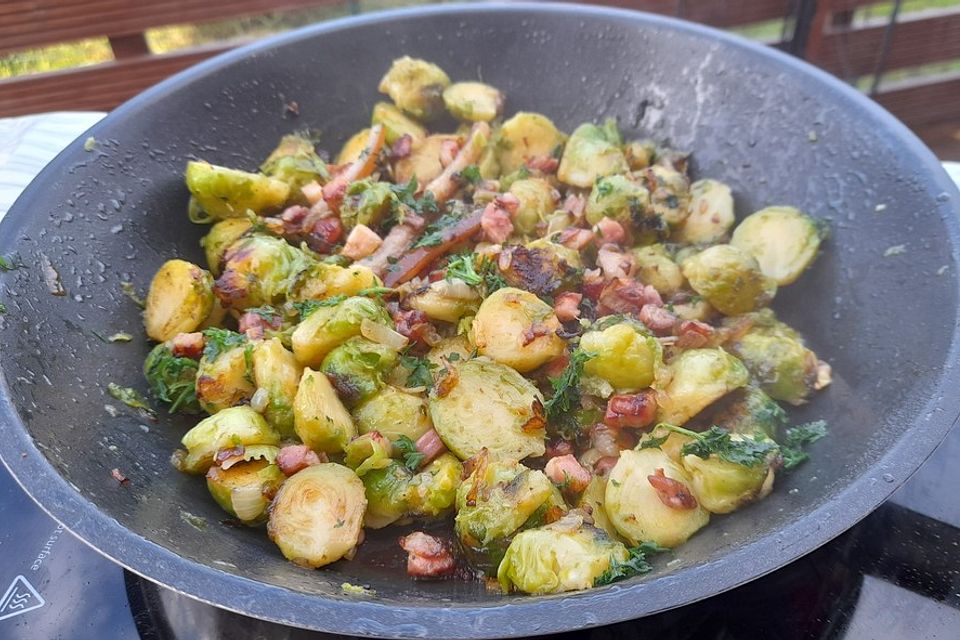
(773, 128)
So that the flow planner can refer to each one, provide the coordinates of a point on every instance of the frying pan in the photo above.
(880, 303)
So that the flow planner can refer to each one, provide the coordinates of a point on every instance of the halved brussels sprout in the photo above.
(518, 329)
(748, 411)
(640, 154)
(639, 510)
(623, 200)
(669, 193)
(397, 124)
(230, 193)
(317, 515)
(459, 345)
(225, 379)
(729, 278)
(784, 240)
(386, 491)
(473, 101)
(319, 418)
(329, 327)
(777, 359)
(423, 163)
(295, 161)
(656, 268)
(524, 137)
(244, 488)
(445, 300)
(711, 213)
(353, 147)
(695, 379)
(263, 270)
(499, 498)
(592, 152)
(277, 372)
(433, 491)
(416, 86)
(394, 413)
(538, 199)
(345, 281)
(356, 369)
(721, 486)
(567, 555)
(693, 307)
(367, 202)
(622, 356)
(219, 238)
(367, 453)
(483, 404)
(562, 262)
(232, 427)
(591, 501)
(180, 299)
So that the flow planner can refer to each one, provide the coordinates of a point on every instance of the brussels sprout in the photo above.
(518, 329)
(748, 411)
(277, 372)
(473, 101)
(319, 418)
(433, 491)
(778, 360)
(562, 261)
(386, 491)
(498, 499)
(446, 301)
(394, 413)
(397, 124)
(367, 202)
(729, 278)
(537, 200)
(721, 486)
(640, 154)
(172, 379)
(331, 326)
(784, 241)
(656, 268)
(224, 377)
(232, 427)
(618, 198)
(695, 379)
(459, 345)
(416, 86)
(622, 356)
(639, 511)
(353, 147)
(669, 193)
(263, 270)
(244, 488)
(230, 193)
(693, 307)
(592, 152)
(591, 501)
(423, 163)
(180, 298)
(666, 439)
(346, 281)
(567, 555)
(524, 137)
(219, 238)
(317, 516)
(484, 404)
(295, 162)
(367, 453)
(711, 213)
(356, 369)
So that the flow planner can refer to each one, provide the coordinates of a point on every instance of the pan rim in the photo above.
(515, 616)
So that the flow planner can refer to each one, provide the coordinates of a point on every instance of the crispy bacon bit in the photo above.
(567, 306)
(556, 448)
(614, 263)
(413, 324)
(534, 331)
(415, 261)
(255, 325)
(430, 445)
(567, 473)
(363, 166)
(604, 465)
(296, 457)
(544, 164)
(187, 345)
(496, 223)
(624, 295)
(325, 234)
(592, 284)
(611, 230)
(401, 147)
(508, 202)
(609, 441)
(694, 334)
(444, 186)
(448, 151)
(293, 219)
(446, 382)
(632, 411)
(672, 493)
(575, 238)
(427, 556)
(660, 321)
(312, 191)
(361, 242)
(396, 243)
(575, 204)
(119, 477)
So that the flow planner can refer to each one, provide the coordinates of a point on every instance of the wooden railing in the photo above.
(823, 31)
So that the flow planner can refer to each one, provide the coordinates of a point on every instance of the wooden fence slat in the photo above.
(923, 101)
(719, 13)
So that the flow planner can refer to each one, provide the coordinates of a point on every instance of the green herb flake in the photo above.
(566, 386)
(746, 452)
(173, 380)
(120, 336)
(3, 309)
(8, 264)
(420, 370)
(604, 188)
(217, 341)
(798, 437)
(131, 292)
(406, 195)
(471, 174)
(636, 564)
(436, 230)
(653, 443)
(307, 307)
(131, 398)
(412, 459)
(356, 590)
(462, 267)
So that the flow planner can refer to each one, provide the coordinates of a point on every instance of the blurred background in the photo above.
(94, 54)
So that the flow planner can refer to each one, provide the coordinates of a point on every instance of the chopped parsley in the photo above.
(131, 398)
(471, 174)
(436, 230)
(747, 452)
(217, 341)
(412, 459)
(566, 396)
(172, 380)
(636, 564)
(604, 188)
(653, 443)
(307, 307)
(796, 438)
(8, 264)
(476, 270)
(131, 292)
(421, 370)
(407, 195)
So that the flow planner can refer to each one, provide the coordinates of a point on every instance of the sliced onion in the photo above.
(248, 502)
(454, 289)
(260, 400)
(382, 334)
(312, 191)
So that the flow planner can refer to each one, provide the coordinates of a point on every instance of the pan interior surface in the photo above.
(880, 303)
